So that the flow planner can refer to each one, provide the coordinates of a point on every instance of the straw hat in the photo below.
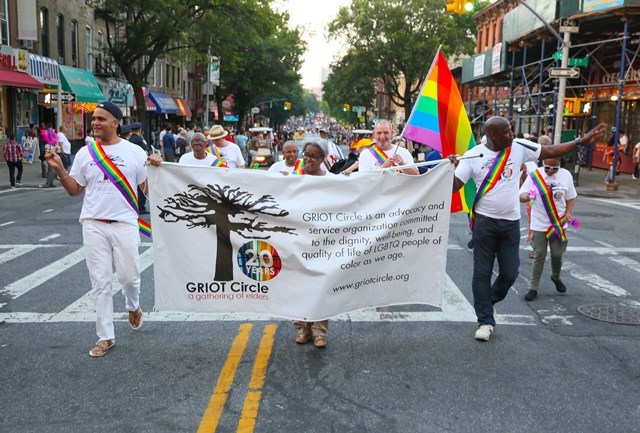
(217, 131)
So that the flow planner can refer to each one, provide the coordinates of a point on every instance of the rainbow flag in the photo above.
(439, 120)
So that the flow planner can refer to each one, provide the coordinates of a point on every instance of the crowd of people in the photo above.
(497, 165)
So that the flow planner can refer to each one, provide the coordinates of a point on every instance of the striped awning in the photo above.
(44, 69)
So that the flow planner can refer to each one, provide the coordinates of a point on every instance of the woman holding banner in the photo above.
(313, 155)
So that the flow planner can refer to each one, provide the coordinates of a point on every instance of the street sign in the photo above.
(569, 26)
(564, 72)
(358, 109)
(579, 61)
(573, 61)
(255, 110)
(52, 98)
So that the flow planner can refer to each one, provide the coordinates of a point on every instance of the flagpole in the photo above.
(434, 162)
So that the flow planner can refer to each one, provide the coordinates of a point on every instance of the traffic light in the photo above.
(287, 105)
(459, 6)
(346, 107)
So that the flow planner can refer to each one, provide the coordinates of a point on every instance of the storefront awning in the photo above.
(165, 103)
(81, 83)
(150, 106)
(19, 79)
(44, 69)
(183, 108)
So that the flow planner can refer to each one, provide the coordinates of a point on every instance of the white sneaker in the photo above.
(484, 332)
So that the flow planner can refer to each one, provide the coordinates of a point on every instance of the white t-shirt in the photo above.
(66, 145)
(88, 140)
(280, 167)
(503, 200)
(232, 155)
(368, 161)
(334, 154)
(561, 185)
(190, 159)
(102, 200)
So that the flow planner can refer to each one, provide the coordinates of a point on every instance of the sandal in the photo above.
(101, 348)
(320, 341)
(302, 338)
(135, 318)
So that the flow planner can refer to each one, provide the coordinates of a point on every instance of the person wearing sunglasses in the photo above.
(552, 195)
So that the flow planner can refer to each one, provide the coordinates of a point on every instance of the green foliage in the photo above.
(401, 37)
(259, 53)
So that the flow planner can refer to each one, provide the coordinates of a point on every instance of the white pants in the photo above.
(106, 244)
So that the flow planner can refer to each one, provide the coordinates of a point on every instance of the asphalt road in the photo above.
(402, 369)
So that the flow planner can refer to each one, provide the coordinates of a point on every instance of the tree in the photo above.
(403, 37)
(352, 81)
(230, 210)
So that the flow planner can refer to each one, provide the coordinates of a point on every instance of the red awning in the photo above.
(150, 106)
(185, 110)
(19, 79)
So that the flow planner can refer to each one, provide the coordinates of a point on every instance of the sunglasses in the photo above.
(549, 167)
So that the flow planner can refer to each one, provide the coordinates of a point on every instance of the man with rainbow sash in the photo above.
(108, 172)
(495, 214)
(550, 190)
(383, 154)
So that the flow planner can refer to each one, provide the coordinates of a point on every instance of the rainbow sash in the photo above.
(219, 162)
(546, 195)
(378, 153)
(490, 180)
(119, 180)
(298, 168)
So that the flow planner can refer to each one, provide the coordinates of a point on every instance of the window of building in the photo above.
(89, 48)
(100, 61)
(60, 37)
(44, 32)
(4, 22)
(160, 76)
(74, 43)
(168, 75)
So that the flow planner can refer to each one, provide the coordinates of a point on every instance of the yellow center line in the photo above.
(249, 413)
(212, 413)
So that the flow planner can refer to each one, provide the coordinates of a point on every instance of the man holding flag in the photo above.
(383, 154)
(495, 212)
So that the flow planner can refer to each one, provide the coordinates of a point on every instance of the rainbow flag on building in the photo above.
(439, 120)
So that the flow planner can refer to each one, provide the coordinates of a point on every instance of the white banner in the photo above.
(299, 247)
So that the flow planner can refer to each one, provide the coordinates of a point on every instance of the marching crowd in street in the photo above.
(497, 166)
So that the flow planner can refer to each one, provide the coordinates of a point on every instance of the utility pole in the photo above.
(206, 118)
(562, 84)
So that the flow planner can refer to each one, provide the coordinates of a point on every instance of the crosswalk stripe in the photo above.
(626, 262)
(85, 302)
(22, 286)
(16, 251)
(592, 280)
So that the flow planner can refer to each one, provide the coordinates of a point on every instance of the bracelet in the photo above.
(62, 178)
(577, 140)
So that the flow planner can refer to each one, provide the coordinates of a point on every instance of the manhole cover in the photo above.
(614, 313)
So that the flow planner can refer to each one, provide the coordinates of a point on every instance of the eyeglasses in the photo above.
(550, 167)
(311, 157)
(197, 140)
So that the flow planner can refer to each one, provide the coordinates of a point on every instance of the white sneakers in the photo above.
(484, 332)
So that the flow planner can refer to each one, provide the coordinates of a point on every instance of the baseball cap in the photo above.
(112, 108)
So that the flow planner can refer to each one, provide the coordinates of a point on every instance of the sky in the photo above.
(313, 16)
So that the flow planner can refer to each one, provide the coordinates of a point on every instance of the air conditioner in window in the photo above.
(61, 60)
(26, 45)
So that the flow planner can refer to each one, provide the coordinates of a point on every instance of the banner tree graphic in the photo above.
(230, 210)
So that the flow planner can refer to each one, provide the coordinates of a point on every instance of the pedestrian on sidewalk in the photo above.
(109, 221)
(495, 214)
(551, 212)
(12, 153)
(636, 161)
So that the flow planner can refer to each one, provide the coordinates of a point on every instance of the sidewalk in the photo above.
(589, 183)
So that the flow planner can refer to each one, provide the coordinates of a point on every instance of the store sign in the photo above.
(12, 59)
